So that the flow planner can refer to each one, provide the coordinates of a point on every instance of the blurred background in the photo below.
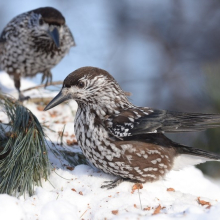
(165, 52)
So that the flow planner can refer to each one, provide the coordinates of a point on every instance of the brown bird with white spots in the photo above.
(125, 140)
(34, 42)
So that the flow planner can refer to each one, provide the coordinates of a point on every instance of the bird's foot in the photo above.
(112, 184)
(48, 77)
(23, 98)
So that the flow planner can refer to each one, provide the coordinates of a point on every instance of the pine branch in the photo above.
(23, 155)
(43, 86)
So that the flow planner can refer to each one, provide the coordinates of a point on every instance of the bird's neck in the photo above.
(104, 110)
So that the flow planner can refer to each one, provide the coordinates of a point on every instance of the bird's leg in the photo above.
(47, 75)
(17, 84)
(114, 183)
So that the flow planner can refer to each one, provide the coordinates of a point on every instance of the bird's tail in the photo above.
(186, 122)
(192, 156)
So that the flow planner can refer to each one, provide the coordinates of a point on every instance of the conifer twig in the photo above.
(23, 154)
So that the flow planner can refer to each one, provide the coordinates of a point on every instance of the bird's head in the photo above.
(91, 86)
(47, 23)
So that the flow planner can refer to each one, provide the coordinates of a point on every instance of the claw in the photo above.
(112, 184)
(107, 181)
(22, 97)
(43, 78)
(47, 75)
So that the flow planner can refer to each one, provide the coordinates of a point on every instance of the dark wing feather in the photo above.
(136, 121)
(2, 41)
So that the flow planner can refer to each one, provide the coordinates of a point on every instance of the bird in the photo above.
(125, 140)
(34, 42)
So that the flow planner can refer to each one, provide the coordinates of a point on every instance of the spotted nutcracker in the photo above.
(125, 140)
(34, 42)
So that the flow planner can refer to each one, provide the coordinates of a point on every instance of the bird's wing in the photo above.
(73, 43)
(8, 32)
(2, 42)
(134, 121)
(1, 46)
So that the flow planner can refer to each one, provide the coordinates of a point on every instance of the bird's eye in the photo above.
(80, 84)
(41, 21)
(66, 86)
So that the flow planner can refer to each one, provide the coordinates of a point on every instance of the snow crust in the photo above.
(76, 194)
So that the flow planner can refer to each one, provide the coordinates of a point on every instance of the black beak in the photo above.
(54, 34)
(57, 100)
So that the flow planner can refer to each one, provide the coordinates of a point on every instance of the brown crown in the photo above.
(88, 71)
(50, 15)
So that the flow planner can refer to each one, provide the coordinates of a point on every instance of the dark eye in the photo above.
(41, 21)
(80, 84)
(66, 86)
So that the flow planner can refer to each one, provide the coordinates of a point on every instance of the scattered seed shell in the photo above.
(170, 189)
(114, 212)
(203, 202)
(40, 108)
(136, 186)
(69, 168)
(157, 210)
(147, 208)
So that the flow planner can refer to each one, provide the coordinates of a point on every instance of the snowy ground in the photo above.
(75, 193)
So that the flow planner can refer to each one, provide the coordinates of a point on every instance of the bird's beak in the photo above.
(54, 34)
(57, 100)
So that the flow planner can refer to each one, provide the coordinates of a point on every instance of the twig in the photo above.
(61, 136)
(83, 213)
(140, 199)
(60, 175)
(43, 85)
(51, 183)
(40, 100)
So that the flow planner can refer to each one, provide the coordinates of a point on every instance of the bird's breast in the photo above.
(133, 159)
(27, 53)
(94, 140)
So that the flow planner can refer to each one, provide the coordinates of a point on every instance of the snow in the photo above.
(76, 194)
(188, 160)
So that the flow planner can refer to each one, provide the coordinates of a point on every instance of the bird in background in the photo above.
(124, 140)
(34, 42)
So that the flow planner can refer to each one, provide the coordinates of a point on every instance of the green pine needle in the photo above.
(23, 154)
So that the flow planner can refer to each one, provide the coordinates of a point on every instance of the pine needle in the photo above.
(23, 154)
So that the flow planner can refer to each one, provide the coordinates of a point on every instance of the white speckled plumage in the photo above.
(122, 139)
(26, 48)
